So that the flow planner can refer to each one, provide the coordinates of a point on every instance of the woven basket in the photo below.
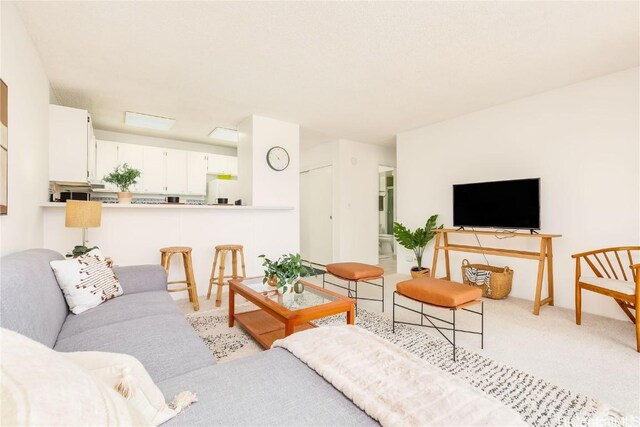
(501, 279)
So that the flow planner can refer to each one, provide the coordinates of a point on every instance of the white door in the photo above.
(176, 172)
(196, 173)
(106, 161)
(153, 170)
(133, 155)
(316, 210)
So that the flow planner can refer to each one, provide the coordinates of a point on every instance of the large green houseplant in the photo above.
(416, 241)
(123, 176)
(285, 271)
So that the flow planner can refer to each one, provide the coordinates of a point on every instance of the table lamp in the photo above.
(82, 214)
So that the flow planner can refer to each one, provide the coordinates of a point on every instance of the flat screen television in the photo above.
(498, 204)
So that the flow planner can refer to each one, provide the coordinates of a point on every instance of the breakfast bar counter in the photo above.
(133, 234)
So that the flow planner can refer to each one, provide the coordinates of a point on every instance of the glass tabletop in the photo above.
(290, 300)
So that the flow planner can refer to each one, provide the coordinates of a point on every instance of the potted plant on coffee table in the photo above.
(123, 176)
(416, 241)
(285, 271)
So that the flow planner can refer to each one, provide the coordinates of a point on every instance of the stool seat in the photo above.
(175, 249)
(228, 247)
(440, 292)
(355, 270)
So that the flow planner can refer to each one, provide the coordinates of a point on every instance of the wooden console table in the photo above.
(545, 254)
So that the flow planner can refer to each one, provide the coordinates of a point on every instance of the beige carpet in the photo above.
(597, 359)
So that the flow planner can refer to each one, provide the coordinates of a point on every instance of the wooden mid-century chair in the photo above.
(610, 267)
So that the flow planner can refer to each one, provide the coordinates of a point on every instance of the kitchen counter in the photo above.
(177, 206)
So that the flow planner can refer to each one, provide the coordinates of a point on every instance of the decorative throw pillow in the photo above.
(128, 376)
(41, 387)
(86, 281)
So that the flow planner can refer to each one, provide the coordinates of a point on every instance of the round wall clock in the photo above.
(277, 158)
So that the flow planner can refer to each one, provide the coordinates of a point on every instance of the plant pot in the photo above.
(417, 272)
(124, 197)
(298, 287)
(273, 281)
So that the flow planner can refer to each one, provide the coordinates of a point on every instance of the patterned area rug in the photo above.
(538, 402)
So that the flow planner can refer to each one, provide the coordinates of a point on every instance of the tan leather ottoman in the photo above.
(355, 272)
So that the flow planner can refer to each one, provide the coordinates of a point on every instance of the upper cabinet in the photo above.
(176, 171)
(218, 164)
(196, 173)
(70, 134)
(106, 161)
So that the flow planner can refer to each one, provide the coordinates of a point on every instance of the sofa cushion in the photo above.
(125, 307)
(165, 344)
(278, 389)
(32, 303)
(439, 292)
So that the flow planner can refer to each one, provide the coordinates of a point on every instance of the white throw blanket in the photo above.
(391, 385)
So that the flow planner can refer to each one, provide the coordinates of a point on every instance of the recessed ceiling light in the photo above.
(148, 122)
(224, 134)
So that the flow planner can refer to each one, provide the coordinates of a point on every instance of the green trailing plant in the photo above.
(416, 240)
(80, 250)
(124, 176)
(287, 269)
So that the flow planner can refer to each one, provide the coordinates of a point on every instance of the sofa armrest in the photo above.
(141, 278)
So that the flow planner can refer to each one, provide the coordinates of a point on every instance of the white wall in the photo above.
(581, 140)
(355, 198)
(28, 108)
(262, 186)
(129, 138)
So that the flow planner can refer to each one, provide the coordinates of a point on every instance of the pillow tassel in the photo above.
(182, 400)
(127, 385)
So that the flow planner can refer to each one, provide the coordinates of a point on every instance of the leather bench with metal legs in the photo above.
(357, 273)
(442, 294)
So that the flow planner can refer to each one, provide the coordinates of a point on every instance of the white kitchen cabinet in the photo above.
(176, 172)
(133, 155)
(232, 165)
(69, 130)
(153, 170)
(91, 152)
(196, 173)
(106, 161)
(218, 164)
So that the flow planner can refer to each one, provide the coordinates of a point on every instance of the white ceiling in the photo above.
(361, 71)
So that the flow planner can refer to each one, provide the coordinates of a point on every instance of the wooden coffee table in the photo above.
(280, 315)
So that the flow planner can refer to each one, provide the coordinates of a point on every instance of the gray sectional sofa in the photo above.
(270, 388)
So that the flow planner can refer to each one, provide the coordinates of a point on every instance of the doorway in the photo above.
(316, 215)
(386, 217)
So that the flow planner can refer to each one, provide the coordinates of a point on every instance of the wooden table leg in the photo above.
(350, 315)
(445, 240)
(434, 264)
(232, 306)
(288, 328)
(550, 270)
(541, 261)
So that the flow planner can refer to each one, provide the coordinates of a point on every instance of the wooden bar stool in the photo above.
(221, 257)
(190, 281)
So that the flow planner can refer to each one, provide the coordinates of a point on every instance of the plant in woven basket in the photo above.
(416, 241)
(286, 271)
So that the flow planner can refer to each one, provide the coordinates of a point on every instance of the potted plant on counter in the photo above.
(416, 241)
(285, 271)
(123, 176)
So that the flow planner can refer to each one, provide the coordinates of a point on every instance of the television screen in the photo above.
(498, 204)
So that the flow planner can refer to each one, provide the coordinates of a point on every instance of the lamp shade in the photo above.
(81, 214)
